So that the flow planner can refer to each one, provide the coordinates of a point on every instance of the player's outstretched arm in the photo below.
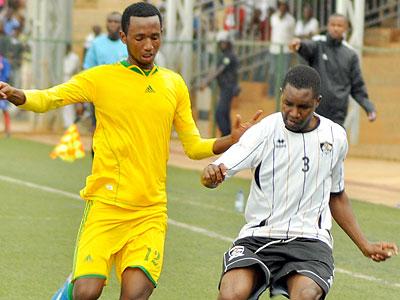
(15, 96)
(239, 128)
(343, 214)
(213, 175)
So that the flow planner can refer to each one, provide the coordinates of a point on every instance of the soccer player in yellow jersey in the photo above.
(137, 103)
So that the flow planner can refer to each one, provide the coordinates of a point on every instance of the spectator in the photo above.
(227, 78)
(5, 69)
(10, 22)
(107, 49)
(307, 27)
(96, 31)
(339, 67)
(282, 32)
(71, 67)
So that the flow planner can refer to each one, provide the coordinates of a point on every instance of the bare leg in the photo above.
(238, 284)
(135, 285)
(303, 288)
(88, 288)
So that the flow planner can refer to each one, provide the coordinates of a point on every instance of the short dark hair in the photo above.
(338, 15)
(303, 77)
(139, 9)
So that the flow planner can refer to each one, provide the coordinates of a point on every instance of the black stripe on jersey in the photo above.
(251, 152)
(304, 184)
(257, 176)
(333, 148)
(320, 221)
(337, 193)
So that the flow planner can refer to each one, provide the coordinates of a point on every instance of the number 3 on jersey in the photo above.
(306, 162)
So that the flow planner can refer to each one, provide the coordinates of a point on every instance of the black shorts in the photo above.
(279, 258)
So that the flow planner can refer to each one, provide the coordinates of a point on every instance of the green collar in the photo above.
(138, 70)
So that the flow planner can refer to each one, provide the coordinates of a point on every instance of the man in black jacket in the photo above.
(339, 68)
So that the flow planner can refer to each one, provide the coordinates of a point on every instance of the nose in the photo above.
(294, 113)
(148, 45)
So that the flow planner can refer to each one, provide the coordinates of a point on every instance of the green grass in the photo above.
(38, 232)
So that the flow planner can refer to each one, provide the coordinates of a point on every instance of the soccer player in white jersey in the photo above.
(298, 186)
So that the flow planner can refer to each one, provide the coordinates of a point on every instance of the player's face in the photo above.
(298, 106)
(337, 26)
(143, 40)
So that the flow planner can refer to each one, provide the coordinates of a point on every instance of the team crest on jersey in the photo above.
(236, 251)
(326, 147)
(280, 143)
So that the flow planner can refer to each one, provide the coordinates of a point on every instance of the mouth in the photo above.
(147, 56)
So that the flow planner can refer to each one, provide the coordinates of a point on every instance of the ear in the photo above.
(122, 35)
(318, 101)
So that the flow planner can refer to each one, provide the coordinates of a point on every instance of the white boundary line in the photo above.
(192, 228)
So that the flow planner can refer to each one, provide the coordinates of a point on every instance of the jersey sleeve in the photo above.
(246, 153)
(80, 88)
(338, 168)
(194, 146)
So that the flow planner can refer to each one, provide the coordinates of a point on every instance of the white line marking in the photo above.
(196, 229)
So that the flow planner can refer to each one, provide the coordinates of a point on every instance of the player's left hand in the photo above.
(381, 251)
(239, 128)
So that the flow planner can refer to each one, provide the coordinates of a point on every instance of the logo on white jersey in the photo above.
(235, 252)
(280, 143)
(326, 147)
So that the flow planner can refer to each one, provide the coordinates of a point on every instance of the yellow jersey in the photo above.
(135, 113)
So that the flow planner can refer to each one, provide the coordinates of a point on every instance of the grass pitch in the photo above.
(39, 226)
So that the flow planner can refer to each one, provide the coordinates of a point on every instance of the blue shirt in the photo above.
(104, 51)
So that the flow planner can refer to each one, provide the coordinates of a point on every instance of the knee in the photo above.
(87, 292)
(232, 293)
(142, 293)
(309, 293)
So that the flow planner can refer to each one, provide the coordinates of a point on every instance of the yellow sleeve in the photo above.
(195, 147)
(79, 88)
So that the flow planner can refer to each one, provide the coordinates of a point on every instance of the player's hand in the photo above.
(372, 116)
(381, 251)
(295, 44)
(239, 128)
(213, 175)
(6, 90)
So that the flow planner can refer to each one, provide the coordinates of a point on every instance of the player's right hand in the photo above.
(295, 44)
(213, 175)
(6, 90)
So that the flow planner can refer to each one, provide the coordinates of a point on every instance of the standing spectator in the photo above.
(96, 31)
(282, 32)
(107, 48)
(10, 22)
(297, 160)
(5, 69)
(227, 78)
(71, 67)
(339, 67)
(307, 27)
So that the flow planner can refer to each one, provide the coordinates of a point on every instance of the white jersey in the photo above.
(293, 177)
